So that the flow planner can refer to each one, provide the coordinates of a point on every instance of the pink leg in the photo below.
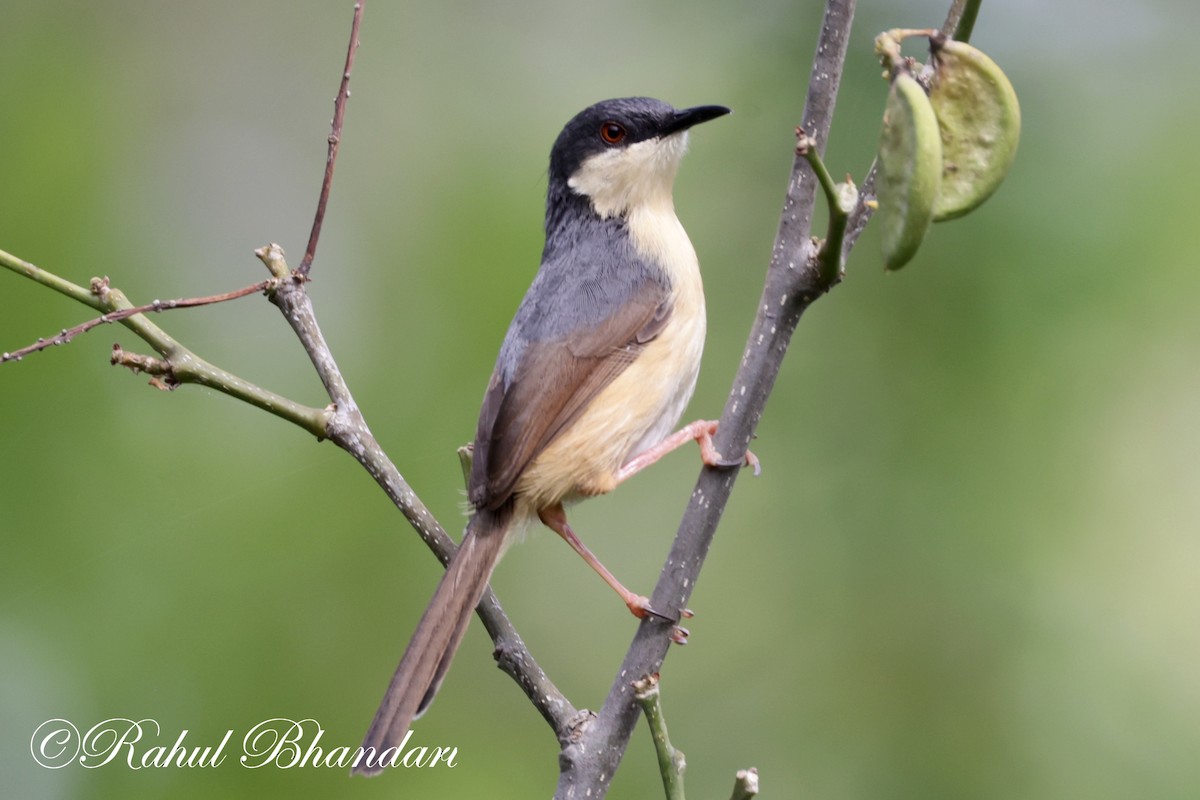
(701, 431)
(555, 519)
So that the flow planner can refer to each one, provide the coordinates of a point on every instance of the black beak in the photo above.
(685, 118)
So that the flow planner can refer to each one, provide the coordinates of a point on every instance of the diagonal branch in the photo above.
(794, 280)
(347, 428)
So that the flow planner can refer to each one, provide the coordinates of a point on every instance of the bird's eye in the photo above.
(612, 132)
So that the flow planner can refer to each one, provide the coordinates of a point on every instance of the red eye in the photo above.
(612, 132)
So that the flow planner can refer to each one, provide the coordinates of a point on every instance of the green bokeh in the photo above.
(970, 568)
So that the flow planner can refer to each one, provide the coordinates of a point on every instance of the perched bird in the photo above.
(595, 371)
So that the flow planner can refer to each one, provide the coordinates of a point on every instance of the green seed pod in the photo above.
(980, 123)
(910, 169)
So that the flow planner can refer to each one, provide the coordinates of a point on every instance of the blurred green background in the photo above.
(970, 568)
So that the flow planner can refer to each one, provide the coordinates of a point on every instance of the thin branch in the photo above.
(187, 367)
(512, 656)
(960, 22)
(97, 297)
(671, 762)
(514, 659)
(182, 365)
(348, 429)
(335, 139)
(292, 299)
(67, 334)
(50, 280)
(162, 376)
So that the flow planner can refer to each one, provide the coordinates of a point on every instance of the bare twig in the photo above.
(67, 334)
(185, 365)
(745, 784)
(162, 375)
(335, 139)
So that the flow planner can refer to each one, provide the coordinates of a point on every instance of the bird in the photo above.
(597, 366)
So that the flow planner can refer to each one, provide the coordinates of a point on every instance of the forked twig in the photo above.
(67, 334)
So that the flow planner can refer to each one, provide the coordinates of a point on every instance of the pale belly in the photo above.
(638, 409)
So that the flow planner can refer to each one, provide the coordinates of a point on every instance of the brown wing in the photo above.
(552, 385)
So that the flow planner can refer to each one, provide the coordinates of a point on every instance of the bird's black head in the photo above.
(613, 144)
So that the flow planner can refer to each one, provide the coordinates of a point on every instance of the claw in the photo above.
(641, 608)
(710, 456)
(748, 460)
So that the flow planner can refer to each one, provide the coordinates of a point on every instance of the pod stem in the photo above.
(960, 22)
(671, 762)
(887, 46)
(841, 197)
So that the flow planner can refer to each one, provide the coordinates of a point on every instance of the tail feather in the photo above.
(438, 635)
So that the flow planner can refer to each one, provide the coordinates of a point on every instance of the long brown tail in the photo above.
(438, 635)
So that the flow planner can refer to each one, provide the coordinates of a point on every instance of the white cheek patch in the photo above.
(640, 174)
